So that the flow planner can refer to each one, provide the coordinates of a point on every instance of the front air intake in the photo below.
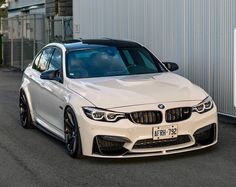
(109, 145)
(150, 143)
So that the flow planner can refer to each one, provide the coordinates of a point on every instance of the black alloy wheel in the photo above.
(72, 135)
(25, 116)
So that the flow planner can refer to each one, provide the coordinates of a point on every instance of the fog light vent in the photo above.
(205, 135)
(109, 145)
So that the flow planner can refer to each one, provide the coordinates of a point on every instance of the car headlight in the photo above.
(205, 106)
(98, 114)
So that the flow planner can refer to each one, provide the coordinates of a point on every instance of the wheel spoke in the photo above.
(23, 109)
(70, 144)
(74, 144)
(71, 132)
(23, 100)
(70, 118)
(68, 124)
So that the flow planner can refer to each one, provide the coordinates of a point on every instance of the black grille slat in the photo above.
(178, 114)
(146, 117)
(155, 117)
(150, 143)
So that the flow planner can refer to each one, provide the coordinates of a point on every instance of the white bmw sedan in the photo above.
(115, 99)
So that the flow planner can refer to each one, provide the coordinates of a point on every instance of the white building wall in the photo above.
(15, 8)
(196, 34)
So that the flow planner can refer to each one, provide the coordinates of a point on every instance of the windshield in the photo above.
(111, 61)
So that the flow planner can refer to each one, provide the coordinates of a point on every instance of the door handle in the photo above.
(46, 87)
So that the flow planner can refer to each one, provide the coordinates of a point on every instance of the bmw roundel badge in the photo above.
(161, 106)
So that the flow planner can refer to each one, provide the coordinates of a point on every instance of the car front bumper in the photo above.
(125, 139)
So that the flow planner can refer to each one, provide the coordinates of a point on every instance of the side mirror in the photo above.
(51, 75)
(171, 66)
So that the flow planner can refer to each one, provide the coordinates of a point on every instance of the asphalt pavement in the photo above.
(32, 158)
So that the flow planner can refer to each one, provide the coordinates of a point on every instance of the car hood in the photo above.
(120, 91)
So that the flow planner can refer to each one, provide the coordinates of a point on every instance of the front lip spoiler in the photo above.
(195, 147)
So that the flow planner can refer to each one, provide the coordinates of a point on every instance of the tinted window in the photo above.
(42, 61)
(128, 56)
(111, 61)
(36, 61)
(147, 59)
(55, 63)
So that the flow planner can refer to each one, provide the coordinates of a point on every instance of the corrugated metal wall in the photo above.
(196, 34)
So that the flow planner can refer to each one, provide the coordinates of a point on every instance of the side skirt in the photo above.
(40, 127)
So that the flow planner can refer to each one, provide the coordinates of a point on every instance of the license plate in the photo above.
(165, 132)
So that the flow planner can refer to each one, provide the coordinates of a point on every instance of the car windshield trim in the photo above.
(112, 76)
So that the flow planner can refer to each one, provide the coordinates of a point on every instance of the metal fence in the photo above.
(24, 36)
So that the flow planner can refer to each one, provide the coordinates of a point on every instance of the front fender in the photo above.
(25, 88)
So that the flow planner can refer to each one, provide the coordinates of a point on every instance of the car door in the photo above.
(40, 65)
(52, 92)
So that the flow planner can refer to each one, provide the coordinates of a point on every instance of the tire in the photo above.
(72, 134)
(25, 116)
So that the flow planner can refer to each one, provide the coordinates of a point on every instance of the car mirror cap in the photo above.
(171, 66)
(51, 75)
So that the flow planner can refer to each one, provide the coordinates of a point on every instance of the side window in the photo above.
(147, 59)
(36, 61)
(42, 64)
(56, 60)
(129, 57)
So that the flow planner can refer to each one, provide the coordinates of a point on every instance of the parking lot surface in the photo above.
(32, 158)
